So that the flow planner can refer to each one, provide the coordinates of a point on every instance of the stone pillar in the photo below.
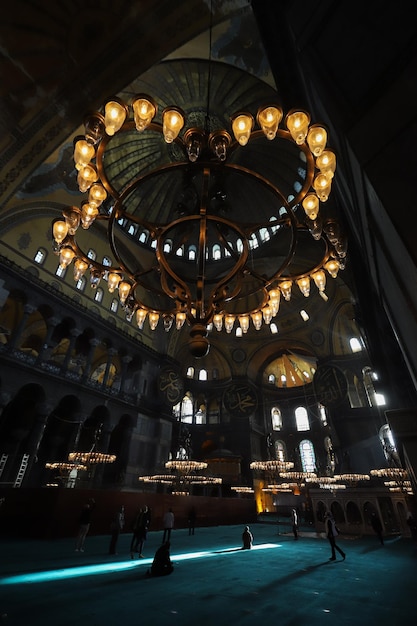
(110, 354)
(74, 333)
(125, 362)
(52, 323)
(28, 309)
(42, 413)
(93, 345)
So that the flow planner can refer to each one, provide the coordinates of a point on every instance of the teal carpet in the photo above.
(281, 581)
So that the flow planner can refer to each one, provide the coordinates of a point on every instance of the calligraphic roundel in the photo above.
(171, 386)
(240, 399)
(330, 385)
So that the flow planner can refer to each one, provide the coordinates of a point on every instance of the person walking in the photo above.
(192, 515)
(247, 539)
(332, 532)
(377, 526)
(140, 531)
(169, 520)
(294, 521)
(84, 524)
(116, 527)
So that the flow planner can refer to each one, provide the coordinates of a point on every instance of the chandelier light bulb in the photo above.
(114, 116)
(84, 152)
(326, 162)
(218, 321)
(153, 318)
(65, 257)
(86, 177)
(140, 317)
(304, 285)
(144, 110)
(316, 139)
(322, 185)
(97, 194)
(60, 231)
(319, 278)
(285, 288)
(124, 290)
(242, 125)
(257, 320)
(269, 119)
(113, 281)
(80, 267)
(172, 121)
(244, 323)
(332, 267)
(311, 206)
(88, 214)
(297, 123)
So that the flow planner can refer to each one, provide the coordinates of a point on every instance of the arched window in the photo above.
(192, 253)
(217, 255)
(271, 379)
(202, 374)
(388, 445)
(91, 254)
(60, 271)
(98, 296)
(273, 328)
(280, 453)
(276, 418)
(167, 246)
(132, 229)
(355, 344)
(81, 283)
(301, 419)
(264, 234)
(143, 237)
(40, 256)
(180, 251)
(200, 416)
(107, 261)
(114, 305)
(187, 409)
(308, 458)
(322, 414)
(190, 372)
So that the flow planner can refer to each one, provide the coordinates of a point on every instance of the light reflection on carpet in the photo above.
(110, 568)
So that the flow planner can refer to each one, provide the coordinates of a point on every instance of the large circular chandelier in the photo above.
(207, 224)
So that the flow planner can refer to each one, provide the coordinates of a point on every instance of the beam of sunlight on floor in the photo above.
(108, 568)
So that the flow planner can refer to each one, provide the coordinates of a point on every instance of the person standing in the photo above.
(169, 520)
(377, 526)
(332, 532)
(140, 531)
(116, 527)
(294, 521)
(84, 524)
(247, 539)
(192, 515)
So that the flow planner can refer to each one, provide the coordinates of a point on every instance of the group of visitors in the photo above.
(162, 564)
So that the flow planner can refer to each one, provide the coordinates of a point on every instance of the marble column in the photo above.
(93, 345)
(51, 323)
(28, 309)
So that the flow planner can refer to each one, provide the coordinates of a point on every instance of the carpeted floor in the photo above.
(280, 581)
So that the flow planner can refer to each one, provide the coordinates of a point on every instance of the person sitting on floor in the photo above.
(247, 539)
(162, 564)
